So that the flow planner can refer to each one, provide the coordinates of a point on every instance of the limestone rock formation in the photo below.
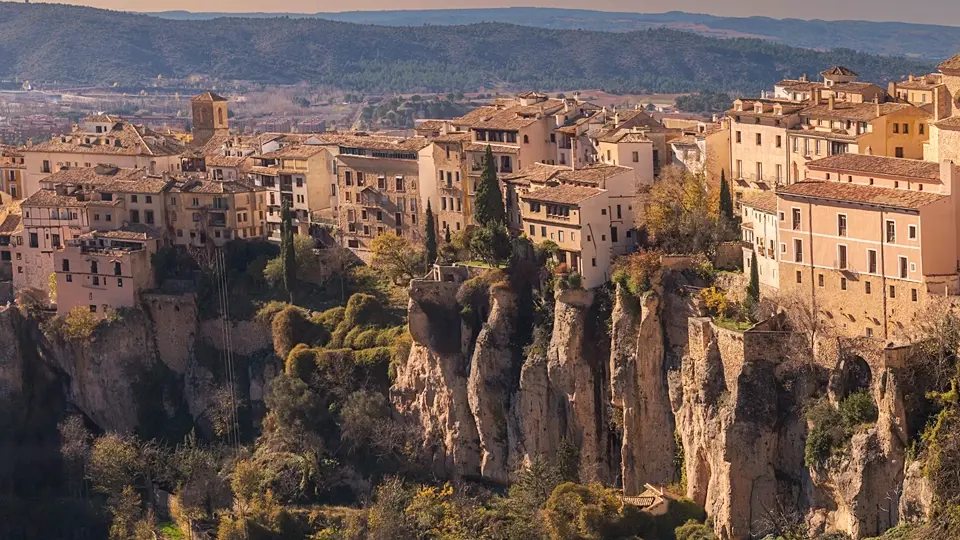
(638, 388)
(916, 500)
(430, 389)
(489, 388)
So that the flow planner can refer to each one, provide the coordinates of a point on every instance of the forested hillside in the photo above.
(69, 43)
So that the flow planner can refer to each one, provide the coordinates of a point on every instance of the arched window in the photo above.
(220, 116)
(526, 139)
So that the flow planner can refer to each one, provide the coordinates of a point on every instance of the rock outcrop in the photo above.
(638, 389)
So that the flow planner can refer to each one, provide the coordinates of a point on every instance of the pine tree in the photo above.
(489, 198)
(726, 202)
(287, 252)
(753, 288)
(431, 242)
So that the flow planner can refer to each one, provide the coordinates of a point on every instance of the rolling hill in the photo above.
(77, 44)
(931, 42)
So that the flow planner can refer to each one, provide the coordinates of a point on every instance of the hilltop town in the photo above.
(544, 318)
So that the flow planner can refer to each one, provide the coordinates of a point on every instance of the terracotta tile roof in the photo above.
(10, 224)
(131, 231)
(765, 201)
(592, 174)
(266, 171)
(430, 126)
(90, 175)
(952, 123)
(686, 140)
(368, 142)
(839, 70)
(49, 197)
(454, 137)
(215, 188)
(531, 94)
(224, 161)
(623, 136)
(386, 167)
(859, 193)
(296, 151)
(921, 83)
(879, 165)
(950, 64)
(539, 173)
(102, 118)
(797, 85)
(860, 112)
(134, 140)
(852, 86)
(207, 97)
(789, 107)
(497, 148)
(562, 194)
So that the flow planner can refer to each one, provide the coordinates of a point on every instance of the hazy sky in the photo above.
(923, 11)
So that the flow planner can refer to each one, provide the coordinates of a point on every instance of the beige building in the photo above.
(758, 142)
(917, 91)
(944, 143)
(105, 270)
(101, 139)
(867, 239)
(838, 82)
(210, 117)
(444, 170)
(629, 148)
(759, 227)
(12, 167)
(572, 217)
(704, 150)
(205, 212)
(301, 174)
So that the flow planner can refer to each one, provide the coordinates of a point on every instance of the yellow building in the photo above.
(445, 181)
(202, 211)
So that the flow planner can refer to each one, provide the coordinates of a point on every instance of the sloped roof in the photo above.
(840, 70)
(207, 97)
(765, 201)
(382, 166)
(950, 64)
(859, 193)
(879, 165)
(562, 194)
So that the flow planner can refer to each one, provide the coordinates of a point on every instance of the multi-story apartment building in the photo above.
(101, 139)
(636, 121)
(944, 143)
(915, 90)
(301, 174)
(12, 166)
(838, 82)
(867, 239)
(105, 270)
(574, 218)
(202, 211)
(758, 228)
(629, 148)
(444, 170)
(758, 142)
(704, 150)
(378, 183)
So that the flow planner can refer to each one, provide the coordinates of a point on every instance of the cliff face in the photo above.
(146, 372)
(638, 389)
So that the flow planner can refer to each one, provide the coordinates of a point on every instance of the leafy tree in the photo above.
(431, 236)
(287, 250)
(489, 197)
(726, 201)
(753, 288)
(396, 257)
(491, 244)
(307, 264)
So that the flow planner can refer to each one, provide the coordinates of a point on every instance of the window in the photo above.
(906, 129)
(797, 250)
(93, 267)
(636, 157)
(119, 282)
(560, 235)
(69, 278)
(796, 219)
(779, 141)
(796, 144)
(914, 295)
(148, 216)
(872, 261)
(593, 261)
(34, 240)
(842, 257)
(921, 126)
(841, 225)
(869, 332)
(893, 291)
(149, 199)
(55, 240)
(739, 168)
(93, 308)
(896, 128)
(866, 287)
(543, 232)
(898, 151)
(619, 216)
(96, 280)
(533, 230)
(904, 268)
(843, 284)
(759, 139)
(799, 276)
(613, 235)
(45, 168)
(134, 216)
(912, 232)
(399, 180)
(299, 182)
(116, 269)
(133, 198)
(347, 178)
(65, 265)
(818, 146)
(608, 157)
(820, 280)
(891, 231)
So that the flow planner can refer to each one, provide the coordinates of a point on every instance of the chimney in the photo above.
(876, 101)
(616, 119)
(716, 118)
(803, 78)
(949, 178)
(911, 77)
(892, 89)
(831, 103)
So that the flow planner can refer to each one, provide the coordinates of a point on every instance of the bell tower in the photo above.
(209, 117)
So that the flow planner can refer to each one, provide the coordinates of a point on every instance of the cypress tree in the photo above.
(287, 252)
(753, 288)
(489, 199)
(431, 242)
(446, 235)
(726, 202)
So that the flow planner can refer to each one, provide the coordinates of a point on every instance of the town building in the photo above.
(210, 117)
(916, 90)
(759, 232)
(101, 139)
(444, 170)
(865, 240)
(944, 143)
(104, 271)
(838, 82)
(207, 212)
(758, 142)
(12, 167)
(704, 150)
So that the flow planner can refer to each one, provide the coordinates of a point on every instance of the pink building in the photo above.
(867, 239)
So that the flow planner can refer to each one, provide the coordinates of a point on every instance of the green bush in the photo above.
(858, 409)
(819, 446)
(575, 281)
(694, 530)
(80, 323)
(301, 362)
(268, 310)
(330, 318)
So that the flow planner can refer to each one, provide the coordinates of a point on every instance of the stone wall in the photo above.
(246, 337)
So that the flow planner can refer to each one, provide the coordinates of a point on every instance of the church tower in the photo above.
(209, 117)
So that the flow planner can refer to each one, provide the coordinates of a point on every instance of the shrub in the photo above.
(857, 409)
(80, 323)
(637, 271)
(716, 301)
(289, 328)
(330, 318)
(694, 530)
(301, 362)
(401, 351)
(818, 447)
(575, 281)
(268, 310)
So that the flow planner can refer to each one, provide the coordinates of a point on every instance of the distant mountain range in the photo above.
(924, 41)
(78, 44)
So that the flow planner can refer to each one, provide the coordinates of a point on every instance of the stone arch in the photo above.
(855, 376)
